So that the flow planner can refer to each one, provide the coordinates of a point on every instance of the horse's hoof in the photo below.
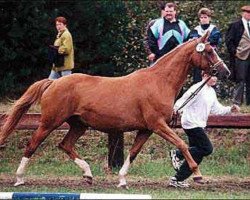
(123, 186)
(197, 179)
(88, 179)
(200, 181)
(19, 183)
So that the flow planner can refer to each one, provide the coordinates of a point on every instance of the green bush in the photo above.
(108, 36)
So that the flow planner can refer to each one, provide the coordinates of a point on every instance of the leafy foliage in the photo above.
(108, 35)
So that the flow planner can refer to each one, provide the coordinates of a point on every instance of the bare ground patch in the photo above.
(223, 184)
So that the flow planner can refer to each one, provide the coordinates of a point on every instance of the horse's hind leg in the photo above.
(141, 137)
(37, 138)
(77, 129)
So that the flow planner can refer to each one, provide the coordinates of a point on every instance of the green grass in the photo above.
(230, 158)
(155, 193)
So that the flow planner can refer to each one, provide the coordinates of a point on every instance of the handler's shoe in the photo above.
(176, 162)
(178, 184)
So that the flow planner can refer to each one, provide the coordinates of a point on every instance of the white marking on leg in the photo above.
(123, 172)
(84, 166)
(20, 171)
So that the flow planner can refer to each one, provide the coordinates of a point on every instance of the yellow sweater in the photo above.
(65, 43)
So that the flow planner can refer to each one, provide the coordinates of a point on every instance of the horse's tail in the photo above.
(31, 96)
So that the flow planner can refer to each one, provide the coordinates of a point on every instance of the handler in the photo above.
(61, 54)
(194, 119)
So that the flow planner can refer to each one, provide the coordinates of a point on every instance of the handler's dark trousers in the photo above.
(197, 75)
(242, 73)
(199, 146)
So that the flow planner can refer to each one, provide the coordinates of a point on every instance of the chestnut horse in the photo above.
(142, 100)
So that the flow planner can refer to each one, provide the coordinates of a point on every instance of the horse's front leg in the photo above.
(163, 130)
(141, 137)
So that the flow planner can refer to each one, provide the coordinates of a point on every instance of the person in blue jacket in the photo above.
(151, 55)
(167, 33)
(204, 15)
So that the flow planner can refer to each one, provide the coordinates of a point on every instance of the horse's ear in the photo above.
(205, 37)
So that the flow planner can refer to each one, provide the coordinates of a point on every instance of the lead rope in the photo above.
(174, 119)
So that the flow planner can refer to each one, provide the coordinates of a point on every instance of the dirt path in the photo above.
(214, 184)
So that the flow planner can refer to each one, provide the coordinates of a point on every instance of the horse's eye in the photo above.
(214, 72)
(210, 52)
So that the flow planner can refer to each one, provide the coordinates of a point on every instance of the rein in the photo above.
(193, 94)
(213, 71)
(173, 122)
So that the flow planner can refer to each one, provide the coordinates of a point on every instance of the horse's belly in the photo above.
(104, 121)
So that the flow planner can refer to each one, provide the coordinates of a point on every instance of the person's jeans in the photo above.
(199, 146)
(242, 73)
(55, 75)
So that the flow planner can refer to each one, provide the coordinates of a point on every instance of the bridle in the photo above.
(173, 121)
(213, 68)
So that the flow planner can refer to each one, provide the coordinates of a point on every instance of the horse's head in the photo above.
(206, 58)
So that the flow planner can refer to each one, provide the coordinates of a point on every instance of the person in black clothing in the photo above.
(167, 33)
(204, 15)
(238, 45)
(151, 55)
(193, 121)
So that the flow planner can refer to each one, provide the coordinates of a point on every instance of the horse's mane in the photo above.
(169, 54)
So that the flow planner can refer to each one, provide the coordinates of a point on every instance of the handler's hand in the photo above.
(235, 108)
(176, 114)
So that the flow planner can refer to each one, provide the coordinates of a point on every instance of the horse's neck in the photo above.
(173, 68)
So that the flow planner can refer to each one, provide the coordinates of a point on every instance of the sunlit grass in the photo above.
(169, 193)
(230, 156)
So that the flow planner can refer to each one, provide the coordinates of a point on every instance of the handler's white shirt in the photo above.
(196, 112)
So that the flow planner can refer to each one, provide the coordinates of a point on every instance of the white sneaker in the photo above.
(176, 162)
(178, 184)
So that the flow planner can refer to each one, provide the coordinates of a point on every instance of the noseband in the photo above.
(200, 48)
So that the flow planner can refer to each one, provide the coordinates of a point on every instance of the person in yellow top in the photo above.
(61, 54)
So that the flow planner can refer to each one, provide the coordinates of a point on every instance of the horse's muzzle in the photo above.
(223, 71)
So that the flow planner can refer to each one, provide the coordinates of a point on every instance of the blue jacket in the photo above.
(199, 31)
(163, 36)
